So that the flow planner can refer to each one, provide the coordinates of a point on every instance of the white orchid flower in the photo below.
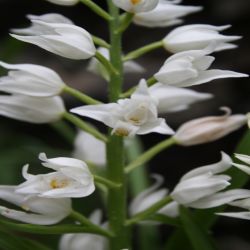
(208, 129)
(198, 37)
(97, 68)
(152, 195)
(32, 109)
(173, 99)
(166, 13)
(71, 178)
(31, 80)
(57, 34)
(84, 241)
(135, 6)
(90, 149)
(127, 117)
(191, 67)
(36, 210)
(199, 185)
(64, 2)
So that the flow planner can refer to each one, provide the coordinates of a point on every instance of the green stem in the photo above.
(149, 154)
(126, 20)
(143, 50)
(100, 42)
(106, 63)
(151, 81)
(106, 182)
(148, 212)
(97, 9)
(116, 203)
(80, 96)
(84, 126)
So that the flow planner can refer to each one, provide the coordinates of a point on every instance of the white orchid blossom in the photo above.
(64, 2)
(32, 109)
(31, 80)
(57, 34)
(127, 117)
(166, 13)
(35, 210)
(152, 195)
(90, 149)
(71, 178)
(97, 68)
(173, 99)
(198, 37)
(85, 241)
(135, 6)
(191, 67)
(208, 129)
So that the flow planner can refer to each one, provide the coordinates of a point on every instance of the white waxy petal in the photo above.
(243, 168)
(244, 158)
(238, 215)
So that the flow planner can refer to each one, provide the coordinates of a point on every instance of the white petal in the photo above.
(244, 158)
(243, 168)
(239, 215)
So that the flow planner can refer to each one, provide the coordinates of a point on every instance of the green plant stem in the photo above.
(143, 50)
(106, 63)
(80, 96)
(106, 182)
(148, 212)
(126, 20)
(84, 126)
(100, 42)
(116, 203)
(97, 9)
(149, 154)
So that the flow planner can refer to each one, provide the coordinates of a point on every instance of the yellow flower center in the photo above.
(58, 184)
(135, 1)
(121, 132)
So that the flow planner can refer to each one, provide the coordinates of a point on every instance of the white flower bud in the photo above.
(209, 128)
(64, 2)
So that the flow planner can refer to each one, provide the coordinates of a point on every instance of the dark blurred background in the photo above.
(21, 142)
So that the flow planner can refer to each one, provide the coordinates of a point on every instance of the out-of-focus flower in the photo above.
(152, 195)
(136, 6)
(189, 68)
(165, 14)
(97, 68)
(64, 2)
(37, 210)
(198, 37)
(84, 241)
(89, 149)
(207, 129)
(71, 178)
(57, 34)
(32, 109)
(173, 99)
(31, 80)
(127, 117)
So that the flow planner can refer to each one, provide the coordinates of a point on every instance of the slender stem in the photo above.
(115, 152)
(100, 42)
(148, 212)
(97, 9)
(151, 81)
(126, 20)
(84, 126)
(106, 182)
(106, 63)
(149, 154)
(80, 96)
(143, 50)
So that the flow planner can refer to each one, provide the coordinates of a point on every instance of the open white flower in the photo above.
(198, 37)
(90, 149)
(31, 80)
(97, 68)
(36, 210)
(64, 2)
(136, 6)
(208, 129)
(71, 178)
(152, 195)
(127, 117)
(165, 14)
(190, 68)
(173, 99)
(85, 241)
(32, 109)
(57, 34)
